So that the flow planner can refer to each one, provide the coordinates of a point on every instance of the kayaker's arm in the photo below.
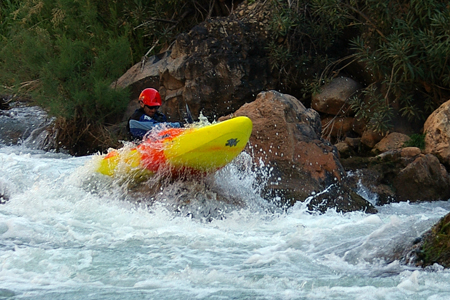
(138, 128)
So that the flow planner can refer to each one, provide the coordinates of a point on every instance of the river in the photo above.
(69, 233)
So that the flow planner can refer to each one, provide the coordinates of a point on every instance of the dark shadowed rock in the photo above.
(215, 68)
(374, 183)
(340, 196)
(3, 102)
(333, 97)
(4, 192)
(336, 128)
(392, 141)
(423, 179)
(401, 175)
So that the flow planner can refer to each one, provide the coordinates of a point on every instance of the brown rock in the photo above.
(410, 152)
(437, 133)
(336, 127)
(344, 150)
(353, 142)
(370, 138)
(286, 137)
(359, 126)
(332, 99)
(392, 141)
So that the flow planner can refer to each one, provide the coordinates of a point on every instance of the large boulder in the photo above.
(287, 138)
(215, 68)
(437, 133)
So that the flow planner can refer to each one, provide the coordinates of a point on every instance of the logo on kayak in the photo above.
(232, 143)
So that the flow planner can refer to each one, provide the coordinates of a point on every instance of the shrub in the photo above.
(62, 55)
(65, 53)
(402, 45)
(416, 140)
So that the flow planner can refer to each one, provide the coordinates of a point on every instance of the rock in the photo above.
(425, 179)
(359, 126)
(336, 127)
(401, 175)
(344, 150)
(332, 98)
(353, 142)
(392, 141)
(4, 192)
(14, 130)
(410, 152)
(437, 133)
(340, 197)
(286, 137)
(216, 67)
(370, 138)
(4, 102)
(142, 75)
(373, 183)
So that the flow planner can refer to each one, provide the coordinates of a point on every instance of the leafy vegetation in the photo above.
(65, 54)
(416, 140)
(303, 44)
(403, 46)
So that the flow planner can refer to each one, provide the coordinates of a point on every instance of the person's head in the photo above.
(150, 101)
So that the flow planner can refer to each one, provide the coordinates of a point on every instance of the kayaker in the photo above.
(147, 116)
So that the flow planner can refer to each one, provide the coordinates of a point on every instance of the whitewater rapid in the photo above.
(68, 233)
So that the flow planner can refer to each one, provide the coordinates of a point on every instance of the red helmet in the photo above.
(150, 97)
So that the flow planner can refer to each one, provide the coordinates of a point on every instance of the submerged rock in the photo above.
(23, 124)
(4, 192)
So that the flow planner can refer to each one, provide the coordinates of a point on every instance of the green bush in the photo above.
(66, 53)
(60, 53)
(409, 56)
(416, 140)
(303, 42)
(403, 46)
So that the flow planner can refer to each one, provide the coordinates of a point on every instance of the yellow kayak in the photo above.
(179, 151)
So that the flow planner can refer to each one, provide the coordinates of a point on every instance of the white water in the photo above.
(67, 233)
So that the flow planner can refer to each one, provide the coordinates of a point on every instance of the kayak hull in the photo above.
(198, 150)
